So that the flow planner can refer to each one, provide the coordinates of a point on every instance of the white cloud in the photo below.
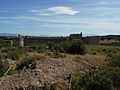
(58, 10)
(44, 14)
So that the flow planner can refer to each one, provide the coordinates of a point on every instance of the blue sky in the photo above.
(60, 17)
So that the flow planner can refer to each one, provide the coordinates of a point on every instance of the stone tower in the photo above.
(21, 42)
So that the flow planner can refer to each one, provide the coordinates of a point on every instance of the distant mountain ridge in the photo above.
(8, 34)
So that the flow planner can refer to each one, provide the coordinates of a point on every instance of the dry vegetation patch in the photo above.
(51, 70)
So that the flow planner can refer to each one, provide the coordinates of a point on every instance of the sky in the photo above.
(60, 17)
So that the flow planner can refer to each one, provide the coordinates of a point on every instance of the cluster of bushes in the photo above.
(76, 47)
(8, 55)
(4, 65)
(13, 53)
(4, 45)
(71, 47)
(107, 78)
(39, 48)
(56, 50)
(105, 50)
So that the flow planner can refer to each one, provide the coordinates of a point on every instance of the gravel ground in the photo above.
(46, 73)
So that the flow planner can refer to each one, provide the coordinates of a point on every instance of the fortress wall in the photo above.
(27, 40)
(92, 40)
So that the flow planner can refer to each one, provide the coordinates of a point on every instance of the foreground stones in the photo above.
(47, 73)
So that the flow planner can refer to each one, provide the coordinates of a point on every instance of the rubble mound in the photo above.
(46, 73)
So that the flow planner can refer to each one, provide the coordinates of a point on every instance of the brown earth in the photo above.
(51, 70)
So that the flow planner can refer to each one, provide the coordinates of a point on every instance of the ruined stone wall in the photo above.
(16, 41)
(10, 42)
(95, 40)
(27, 41)
(41, 40)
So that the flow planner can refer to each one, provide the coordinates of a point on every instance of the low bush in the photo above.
(57, 54)
(39, 48)
(4, 66)
(107, 78)
(104, 50)
(15, 53)
(76, 47)
(115, 60)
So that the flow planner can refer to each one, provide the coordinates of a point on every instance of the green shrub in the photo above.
(115, 60)
(90, 81)
(40, 48)
(104, 50)
(107, 78)
(4, 66)
(72, 47)
(55, 47)
(5, 45)
(76, 48)
(57, 54)
(115, 76)
(15, 53)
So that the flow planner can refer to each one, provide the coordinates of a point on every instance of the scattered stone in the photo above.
(41, 75)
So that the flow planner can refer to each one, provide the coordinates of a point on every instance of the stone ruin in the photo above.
(29, 40)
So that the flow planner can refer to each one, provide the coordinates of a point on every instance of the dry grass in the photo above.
(92, 59)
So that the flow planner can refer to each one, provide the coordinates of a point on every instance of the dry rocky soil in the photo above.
(50, 71)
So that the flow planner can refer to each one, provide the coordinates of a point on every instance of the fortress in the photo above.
(32, 40)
